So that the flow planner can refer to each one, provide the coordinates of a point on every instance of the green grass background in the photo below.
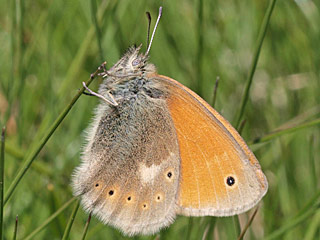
(49, 47)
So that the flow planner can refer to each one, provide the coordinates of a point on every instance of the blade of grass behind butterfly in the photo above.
(86, 228)
(183, 65)
(2, 180)
(18, 51)
(14, 237)
(313, 227)
(254, 62)
(245, 96)
(308, 210)
(200, 43)
(83, 49)
(208, 233)
(35, 151)
(50, 219)
(248, 224)
(189, 229)
(291, 224)
(93, 8)
(312, 164)
(292, 129)
(71, 220)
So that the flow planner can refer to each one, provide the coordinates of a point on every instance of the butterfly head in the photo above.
(132, 64)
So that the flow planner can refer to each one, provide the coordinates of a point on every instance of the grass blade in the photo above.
(261, 36)
(311, 207)
(2, 180)
(15, 229)
(291, 224)
(34, 153)
(313, 227)
(50, 219)
(95, 23)
(215, 91)
(190, 225)
(86, 228)
(248, 224)
(200, 34)
(208, 233)
(278, 133)
(70, 222)
(236, 224)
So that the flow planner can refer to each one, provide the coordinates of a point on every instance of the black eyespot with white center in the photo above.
(169, 174)
(230, 181)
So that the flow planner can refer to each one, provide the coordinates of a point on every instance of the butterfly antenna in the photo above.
(149, 24)
(154, 30)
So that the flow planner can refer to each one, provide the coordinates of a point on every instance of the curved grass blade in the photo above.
(278, 133)
(314, 227)
(311, 207)
(70, 222)
(86, 228)
(34, 153)
(50, 219)
(261, 36)
(291, 224)
(2, 180)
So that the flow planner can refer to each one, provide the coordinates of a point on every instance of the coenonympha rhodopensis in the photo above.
(155, 149)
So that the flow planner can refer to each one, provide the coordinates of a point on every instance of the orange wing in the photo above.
(219, 174)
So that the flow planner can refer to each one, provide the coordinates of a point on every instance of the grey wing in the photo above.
(130, 167)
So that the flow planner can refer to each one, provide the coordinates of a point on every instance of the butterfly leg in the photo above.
(108, 98)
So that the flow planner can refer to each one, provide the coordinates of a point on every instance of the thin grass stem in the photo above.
(50, 219)
(278, 133)
(248, 224)
(71, 220)
(216, 85)
(2, 179)
(34, 153)
(86, 228)
(97, 28)
(262, 33)
(199, 58)
(15, 228)
(291, 224)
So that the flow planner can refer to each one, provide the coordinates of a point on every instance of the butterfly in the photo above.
(155, 150)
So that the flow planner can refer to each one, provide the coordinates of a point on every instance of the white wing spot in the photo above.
(148, 174)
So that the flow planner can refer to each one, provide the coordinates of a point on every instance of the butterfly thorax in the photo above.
(127, 77)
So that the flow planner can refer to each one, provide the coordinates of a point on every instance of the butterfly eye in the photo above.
(136, 62)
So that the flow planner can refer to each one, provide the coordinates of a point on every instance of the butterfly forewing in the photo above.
(219, 174)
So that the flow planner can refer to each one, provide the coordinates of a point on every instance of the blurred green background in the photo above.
(49, 47)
